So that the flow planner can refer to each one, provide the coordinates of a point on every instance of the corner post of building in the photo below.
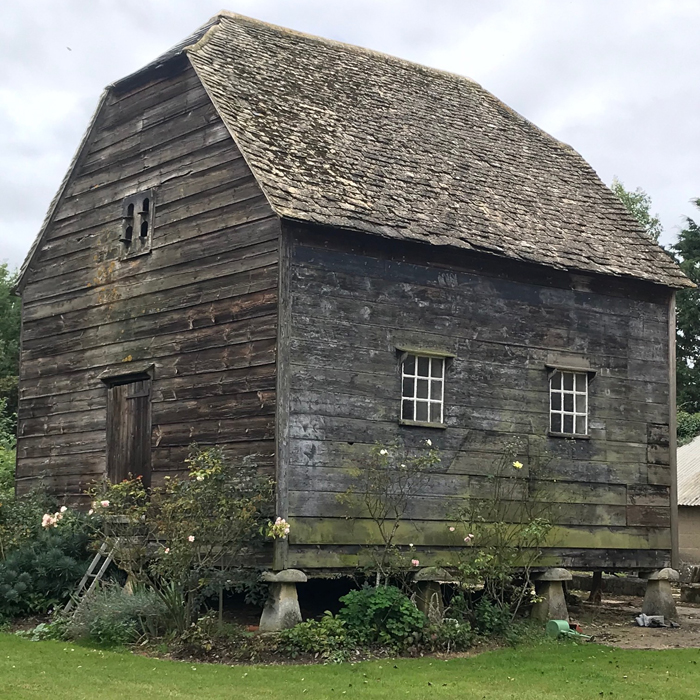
(672, 428)
(284, 322)
(550, 591)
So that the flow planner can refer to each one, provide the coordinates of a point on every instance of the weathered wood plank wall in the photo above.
(354, 300)
(202, 306)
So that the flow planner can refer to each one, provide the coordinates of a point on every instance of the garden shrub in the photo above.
(491, 619)
(43, 573)
(20, 519)
(7, 466)
(383, 486)
(208, 634)
(205, 523)
(449, 635)
(500, 538)
(8, 442)
(381, 616)
(327, 638)
(688, 426)
(112, 616)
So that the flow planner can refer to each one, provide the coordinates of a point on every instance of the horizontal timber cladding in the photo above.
(351, 556)
(354, 301)
(198, 313)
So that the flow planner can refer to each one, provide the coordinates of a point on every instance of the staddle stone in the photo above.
(658, 599)
(549, 588)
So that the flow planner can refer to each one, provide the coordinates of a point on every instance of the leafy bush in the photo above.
(20, 519)
(382, 616)
(113, 617)
(491, 619)
(43, 573)
(327, 638)
(688, 426)
(207, 634)
(7, 453)
(205, 522)
(448, 635)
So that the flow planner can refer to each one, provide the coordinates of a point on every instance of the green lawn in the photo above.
(59, 671)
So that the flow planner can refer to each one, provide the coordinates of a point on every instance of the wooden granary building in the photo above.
(293, 247)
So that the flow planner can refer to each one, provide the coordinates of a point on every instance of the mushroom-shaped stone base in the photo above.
(658, 599)
(282, 607)
(549, 588)
(429, 591)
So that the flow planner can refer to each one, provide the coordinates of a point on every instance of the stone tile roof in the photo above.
(688, 471)
(346, 137)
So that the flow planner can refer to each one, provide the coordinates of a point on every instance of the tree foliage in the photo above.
(9, 339)
(687, 253)
(638, 203)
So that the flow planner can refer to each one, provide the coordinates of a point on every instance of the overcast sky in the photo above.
(616, 79)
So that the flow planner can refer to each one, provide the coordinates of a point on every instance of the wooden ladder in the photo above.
(95, 572)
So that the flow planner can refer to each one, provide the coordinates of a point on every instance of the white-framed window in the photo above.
(422, 389)
(568, 402)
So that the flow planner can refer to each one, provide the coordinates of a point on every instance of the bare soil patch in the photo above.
(612, 623)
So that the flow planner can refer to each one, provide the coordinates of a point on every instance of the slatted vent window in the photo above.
(568, 396)
(423, 389)
(137, 223)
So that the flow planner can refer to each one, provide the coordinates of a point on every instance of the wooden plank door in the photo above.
(129, 431)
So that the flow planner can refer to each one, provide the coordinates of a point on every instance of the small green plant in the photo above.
(448, 635)
(56, 629)
(200, 637)
(490, 618)
(326, 638)
(208, 636)
(114, 617)
(381, 616)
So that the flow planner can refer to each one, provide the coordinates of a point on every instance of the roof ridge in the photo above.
(353, 47)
